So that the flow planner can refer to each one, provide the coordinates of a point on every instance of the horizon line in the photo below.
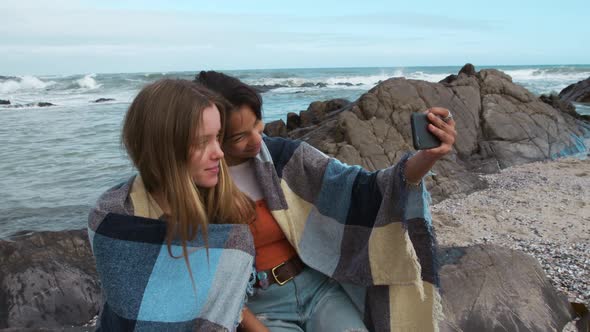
(298, 68)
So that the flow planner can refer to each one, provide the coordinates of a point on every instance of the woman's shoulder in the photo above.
(114, 200)
(283, 149)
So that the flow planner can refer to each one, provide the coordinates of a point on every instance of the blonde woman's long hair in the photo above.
(159, 131)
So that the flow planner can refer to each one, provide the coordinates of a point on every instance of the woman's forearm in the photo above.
(418, 166)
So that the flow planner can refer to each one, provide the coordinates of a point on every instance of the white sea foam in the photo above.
(88, 82)
(23, 83)
(346, 81)
(419, 75)
(537, 74)
(546, 80)
(369, 80)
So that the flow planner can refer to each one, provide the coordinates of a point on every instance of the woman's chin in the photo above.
(208, 182)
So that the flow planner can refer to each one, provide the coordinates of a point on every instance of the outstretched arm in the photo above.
(424, 160)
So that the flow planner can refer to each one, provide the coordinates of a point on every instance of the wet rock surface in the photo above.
(579, 92)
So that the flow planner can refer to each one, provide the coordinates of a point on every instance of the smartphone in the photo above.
(422, 137)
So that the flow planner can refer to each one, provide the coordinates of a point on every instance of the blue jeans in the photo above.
(310, 302)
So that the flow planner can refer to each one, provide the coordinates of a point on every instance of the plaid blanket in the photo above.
(145, 289)
(371, 231)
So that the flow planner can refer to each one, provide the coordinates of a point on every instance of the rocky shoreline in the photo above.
(540, 208)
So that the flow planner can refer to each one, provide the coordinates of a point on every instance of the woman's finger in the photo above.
(447, 137)
(437, 121)
(442, 113)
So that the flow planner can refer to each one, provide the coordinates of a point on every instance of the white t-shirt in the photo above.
(245, 178)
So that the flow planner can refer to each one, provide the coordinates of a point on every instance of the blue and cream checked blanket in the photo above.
(371, 231)
(145, 289)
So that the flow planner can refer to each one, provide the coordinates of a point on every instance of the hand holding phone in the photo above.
(422, 137)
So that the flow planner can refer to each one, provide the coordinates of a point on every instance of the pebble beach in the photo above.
(540, 208)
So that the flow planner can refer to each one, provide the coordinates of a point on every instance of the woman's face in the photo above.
(206, 152)
(243, 136)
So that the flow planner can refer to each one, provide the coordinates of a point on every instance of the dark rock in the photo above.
(345, 84)
(313, 85)
(266, 88)
(312, 116)
(559, 104)
(293, 121)
(468, 69)
(47, 280)
(317, 111)
(335, 104)
(4, 102)
(490, 288)
(102, 100)
(577, 92)
(449, 79)
(39, 104)
(276, 129)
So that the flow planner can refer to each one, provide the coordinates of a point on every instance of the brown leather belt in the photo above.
(280, 274)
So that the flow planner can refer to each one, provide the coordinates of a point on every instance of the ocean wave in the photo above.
(277, 81)
(419, 75)
(88, 82)
(564, 74)
(15, 84)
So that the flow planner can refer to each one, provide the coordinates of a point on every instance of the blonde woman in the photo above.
(172, 246)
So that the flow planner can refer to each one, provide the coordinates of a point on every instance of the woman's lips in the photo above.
(213, 170)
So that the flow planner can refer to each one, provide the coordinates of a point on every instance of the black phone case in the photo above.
(423, 139)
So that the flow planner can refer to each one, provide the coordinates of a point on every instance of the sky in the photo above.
(107, 36)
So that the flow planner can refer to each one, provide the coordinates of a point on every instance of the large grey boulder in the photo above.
(490, 288)
(499, 124)
(47, 280)
(578, 92)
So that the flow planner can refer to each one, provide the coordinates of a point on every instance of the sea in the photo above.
(55, 161)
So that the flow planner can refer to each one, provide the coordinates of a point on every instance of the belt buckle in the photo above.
(275, 275)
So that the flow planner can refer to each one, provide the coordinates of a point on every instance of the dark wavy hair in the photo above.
(234, 91)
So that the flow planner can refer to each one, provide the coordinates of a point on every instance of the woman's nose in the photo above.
(217, 152)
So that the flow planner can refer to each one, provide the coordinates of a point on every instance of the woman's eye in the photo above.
(201, 144)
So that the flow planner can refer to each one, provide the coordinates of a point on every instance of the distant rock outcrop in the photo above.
(577, 92)
(102, 100)
(499, 124)
(38, 104)
(4, 102)
(43, 104)
(267, 87)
